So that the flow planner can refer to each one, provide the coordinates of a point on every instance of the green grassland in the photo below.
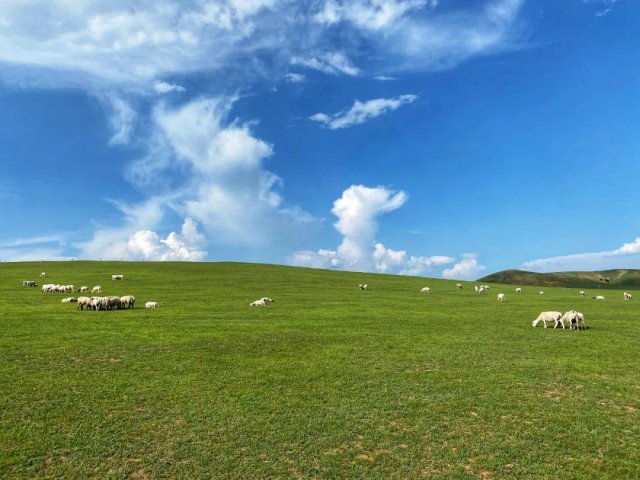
(327, 382)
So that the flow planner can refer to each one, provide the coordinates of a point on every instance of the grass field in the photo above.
(328, 382)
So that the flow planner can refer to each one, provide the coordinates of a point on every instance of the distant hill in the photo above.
(623, 278)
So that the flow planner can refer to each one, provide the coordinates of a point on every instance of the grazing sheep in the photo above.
(68, 288)
(114, 303)
(501, 297)
(476, 288)
(518, 290)
(153, 305)
(84, 302)
(69, 300)
(627, 296)
(541, 292)
(128, 301)
(545, 317)
(486, 287)
(598, 297)
(459, 286)
(583, 293)
(84, 289)
(481, 290)
(575, 320)
(29, 283)
(425, 290)
(363, 287)
(258, 303)
(43, 274)
(117, 277)
(96, 289)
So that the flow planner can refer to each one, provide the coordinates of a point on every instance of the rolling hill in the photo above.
(622, 278)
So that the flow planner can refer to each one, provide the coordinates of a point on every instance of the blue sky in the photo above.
(429, 137)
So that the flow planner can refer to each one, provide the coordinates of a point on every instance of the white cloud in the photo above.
(361, 112)
(384, 78)
(626, 256)
(165, 87)
(295, 77)
(122, 119)
(333, 63)
(357, 210)
(185, 246)
(369, 14)
(467, 268)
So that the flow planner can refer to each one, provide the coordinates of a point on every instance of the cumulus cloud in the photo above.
(165, 87)
(358, 210)
(148, 245)
(626, 256)
(467, 268)
(361, 112)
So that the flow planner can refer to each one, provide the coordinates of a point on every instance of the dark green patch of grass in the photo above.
(328, 382)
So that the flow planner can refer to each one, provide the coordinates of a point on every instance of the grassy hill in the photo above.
(622, 278)
(327, 382)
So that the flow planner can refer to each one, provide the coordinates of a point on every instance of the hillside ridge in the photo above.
(617, 278)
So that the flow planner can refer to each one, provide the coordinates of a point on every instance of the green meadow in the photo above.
(327, 382)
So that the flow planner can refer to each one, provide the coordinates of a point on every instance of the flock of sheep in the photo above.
(91, 303)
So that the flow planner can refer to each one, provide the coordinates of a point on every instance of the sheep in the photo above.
(157, 305)
(545, 317)
(84, 302)
(518, 290)
(69, 300)
(481, 289)
(459, 286)
(117, 277)
(426, 290)
(96, 289)
(574, 319)
(68, 288)
(267, 299)
(84, 289)
(128, 301)
(475, 287)
(29, 283)
(47, 287)
(627, 296)
(43, 274)
(583, 293)
(486, 287)
(501, 297)
(598, 297)
(363, 287)
(256, 303)
(541, 292)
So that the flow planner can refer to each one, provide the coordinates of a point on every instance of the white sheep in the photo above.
(476, 288)
(128, 301)
(425, 290)
(575, 320)
(267, 299)
(459, 286)
(29, 283)
(363, 287)
(541, 292)
(501, 297)
(481, 289)
(259, 303)
(151, 305)
(628, 296)
(545, 317)
(598, 297)
(84, 289)
(518, 290)
(96, 289)
(486, 287)
(84, 302)
(43, 274)
(583, 293)
(117, 277)
(69, 300)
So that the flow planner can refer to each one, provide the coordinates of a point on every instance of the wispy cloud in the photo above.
(628, 255)
(165, 87)
(361, 112)
(333, 63)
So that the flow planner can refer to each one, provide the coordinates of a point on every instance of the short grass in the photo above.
(328, 382)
